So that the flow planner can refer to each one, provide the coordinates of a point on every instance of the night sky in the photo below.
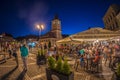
(18, 17)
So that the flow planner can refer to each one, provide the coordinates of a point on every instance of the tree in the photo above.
(59, 66)
(7, 34)
(49, 44)
(118, 70)
(51, 62)
(66, 68)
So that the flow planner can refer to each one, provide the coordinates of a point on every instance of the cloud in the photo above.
(32, 12)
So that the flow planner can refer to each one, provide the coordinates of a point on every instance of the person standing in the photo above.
(24, 55)
(10, 51)
(15, 55)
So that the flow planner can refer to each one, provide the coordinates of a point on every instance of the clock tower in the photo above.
(56, 27)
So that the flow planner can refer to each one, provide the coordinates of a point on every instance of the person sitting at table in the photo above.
(95, 60)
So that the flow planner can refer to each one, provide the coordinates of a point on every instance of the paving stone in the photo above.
(34, 72)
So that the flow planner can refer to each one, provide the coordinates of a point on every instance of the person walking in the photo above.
(10, 51)
(15, 55)
(24, 55)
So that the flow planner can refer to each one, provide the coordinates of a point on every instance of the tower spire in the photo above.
(56, 16)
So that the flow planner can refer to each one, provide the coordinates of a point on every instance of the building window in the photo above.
(110, 17)
(108, 20)
(113, 14)
(116, 24)
(112, 27)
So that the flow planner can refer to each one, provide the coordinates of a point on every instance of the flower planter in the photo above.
(117, 77)
(41, 60)
(61, 76)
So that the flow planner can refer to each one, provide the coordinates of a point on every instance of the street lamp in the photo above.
(40, 28)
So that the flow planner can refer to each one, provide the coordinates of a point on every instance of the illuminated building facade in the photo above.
(110, 19)
(54, 34)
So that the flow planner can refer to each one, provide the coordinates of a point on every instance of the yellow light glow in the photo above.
(38, 26)
(42, 26)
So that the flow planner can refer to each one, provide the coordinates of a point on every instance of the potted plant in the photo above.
(51, 62)
(41, 59)
(60, 69)
(66, 68)
(118, 72)
(51, 67)
(59, 65)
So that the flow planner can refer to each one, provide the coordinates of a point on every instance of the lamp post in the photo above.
(40, 28)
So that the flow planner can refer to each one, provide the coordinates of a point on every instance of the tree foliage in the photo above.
(66, 68)
(118, 70)
(51, 62)
(49, 44)
(59, 65)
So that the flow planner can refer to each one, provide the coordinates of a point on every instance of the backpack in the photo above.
(14, 54)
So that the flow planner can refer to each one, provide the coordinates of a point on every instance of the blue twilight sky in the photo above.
(18, 17)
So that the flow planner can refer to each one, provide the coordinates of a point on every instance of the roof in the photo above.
(95, 31)
(56, 17)
(48, 35)
(6, 39)
(91, 35)
(116, 7)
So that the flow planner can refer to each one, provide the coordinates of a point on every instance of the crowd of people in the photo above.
(12, 50)
(109, 53)
(82, 53)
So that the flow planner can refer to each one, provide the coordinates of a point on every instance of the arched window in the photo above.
(108, 20)
(110, 17)
(113, 14)
(116, 24)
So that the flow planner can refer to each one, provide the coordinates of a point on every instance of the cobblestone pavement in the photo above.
(9, 71)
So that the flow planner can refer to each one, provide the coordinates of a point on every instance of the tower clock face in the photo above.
(56, 25)
(53, 22)
(56, 22)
